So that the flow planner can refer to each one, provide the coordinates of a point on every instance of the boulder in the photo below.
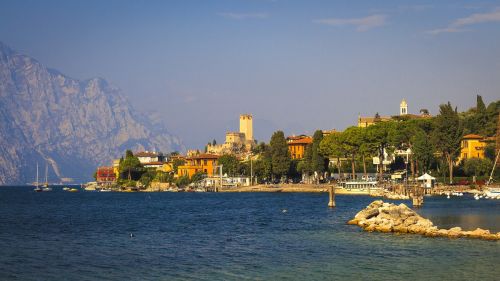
(387, 217)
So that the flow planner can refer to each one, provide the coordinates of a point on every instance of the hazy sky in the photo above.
(295, 65)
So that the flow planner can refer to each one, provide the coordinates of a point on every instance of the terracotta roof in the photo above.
(204, 156)
(301, 141)
(145, 154)
(472, 136)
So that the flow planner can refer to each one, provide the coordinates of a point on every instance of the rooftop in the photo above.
(145, 154)
(204, 156)
(472, 136)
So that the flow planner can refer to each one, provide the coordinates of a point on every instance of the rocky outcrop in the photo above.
(388, 217)
(71, 125)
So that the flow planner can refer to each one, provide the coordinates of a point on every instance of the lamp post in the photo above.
(251, 170)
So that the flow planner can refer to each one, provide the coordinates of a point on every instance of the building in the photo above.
(297, 145)
(472, 146)
(157, 165)
(237, 143)
(364, 121)
(148, 157)
(204, 163)
(246, 126)
(403, 108)
(105, 175)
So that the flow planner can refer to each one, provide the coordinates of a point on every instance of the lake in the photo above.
(231, 236)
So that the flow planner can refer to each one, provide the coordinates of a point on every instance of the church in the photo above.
(403, 112)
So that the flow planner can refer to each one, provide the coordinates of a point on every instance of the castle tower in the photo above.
(246, 126)
(403, 107)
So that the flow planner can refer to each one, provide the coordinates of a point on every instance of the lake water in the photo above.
(231, 236)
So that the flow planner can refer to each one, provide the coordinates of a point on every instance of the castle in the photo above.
(236, 142)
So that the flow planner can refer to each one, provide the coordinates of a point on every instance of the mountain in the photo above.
(71, 125)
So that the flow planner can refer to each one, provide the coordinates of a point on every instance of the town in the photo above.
(450, 148)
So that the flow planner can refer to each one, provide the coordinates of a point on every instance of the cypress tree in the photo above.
(280, 156)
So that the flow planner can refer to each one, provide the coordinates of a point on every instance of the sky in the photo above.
(296, 66)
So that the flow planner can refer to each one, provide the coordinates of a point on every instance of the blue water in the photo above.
(205, 236)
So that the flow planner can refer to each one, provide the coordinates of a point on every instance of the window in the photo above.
(205, 163)
(465, 155)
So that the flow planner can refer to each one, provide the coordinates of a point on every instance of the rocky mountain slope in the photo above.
(70, 125)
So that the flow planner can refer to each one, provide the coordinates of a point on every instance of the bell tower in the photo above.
(403, 107)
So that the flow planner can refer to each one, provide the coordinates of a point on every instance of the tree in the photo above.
(182, 181)
(318, 162)
(447, 135)
(477, 166)
(262, 167)
(176, 163)
(422, 149)
(351, 141)
(147, 177)
(280, 156)
(198, 176)
(130, 167)
(367, 147)
(381, 135)
(331, 146)
(230, 164)
(305, 164)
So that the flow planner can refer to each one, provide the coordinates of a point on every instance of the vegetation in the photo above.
(434, 143)
(130, 167)
(477, 167)
(280, 156)
(230, 165)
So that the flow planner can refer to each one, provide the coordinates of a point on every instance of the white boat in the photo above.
(492, 193)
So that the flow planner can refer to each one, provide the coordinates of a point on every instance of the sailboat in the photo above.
(46, 184)
(37, 188)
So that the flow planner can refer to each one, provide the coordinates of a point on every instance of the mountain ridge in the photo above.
(73, 125)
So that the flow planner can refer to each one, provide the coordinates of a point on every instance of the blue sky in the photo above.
(295, 65)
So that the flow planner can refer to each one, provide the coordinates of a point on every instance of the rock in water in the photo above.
(388, 217)
(70, 124)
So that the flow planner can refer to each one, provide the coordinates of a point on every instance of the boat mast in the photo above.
(36, 183)
(46, 171)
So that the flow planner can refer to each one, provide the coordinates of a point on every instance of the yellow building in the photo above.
(246, 126)
(167, 167)
(204, 163)
(472, 146)
(364, 122)
(116, 167)
(297, 146)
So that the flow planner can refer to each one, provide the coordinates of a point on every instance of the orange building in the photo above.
(297, 146)
(105, 175)
(472, 146)
(204, 163)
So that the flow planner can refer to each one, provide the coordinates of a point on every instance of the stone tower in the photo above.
(403, 107)
(246, 126)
